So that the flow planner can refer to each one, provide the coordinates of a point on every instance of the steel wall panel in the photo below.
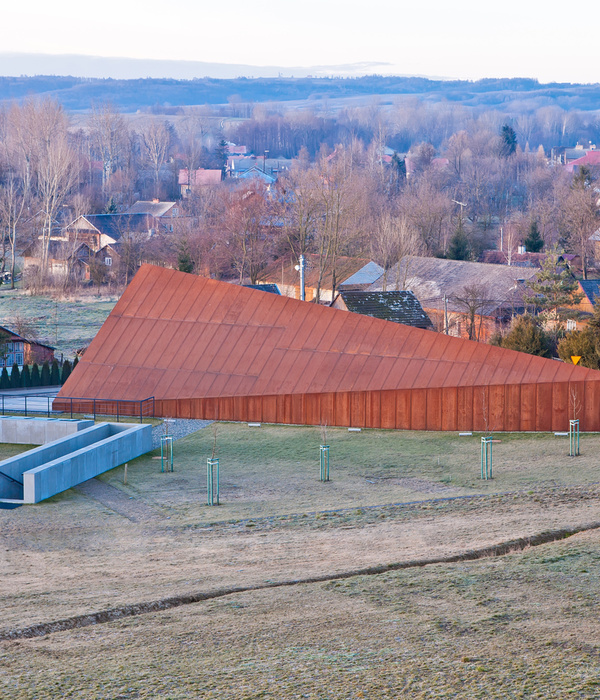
(327, 407)
(512, 407)
(543, 409)
(312, 406)
(449, 408)
(434, 409)
(298, 413)
(497, 407)
(528, 405)
(388, 409)
(481, 409)
(373, 409)
(268, 409)
(358, 409)
(560, 406)
(403, 409)
(418, 409)
(465, 407)
(590, 414)
(342, 408)
(576, 403)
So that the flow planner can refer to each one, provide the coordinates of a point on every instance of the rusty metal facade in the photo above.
(209, 349)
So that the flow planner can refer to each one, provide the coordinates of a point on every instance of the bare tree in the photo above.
(156, 141)
(109, 135)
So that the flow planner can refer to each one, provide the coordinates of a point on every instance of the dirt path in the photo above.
(70, 566)
(118, 501)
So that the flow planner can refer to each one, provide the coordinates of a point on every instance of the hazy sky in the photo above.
(463, 39)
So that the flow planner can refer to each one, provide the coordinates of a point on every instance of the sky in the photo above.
(466, 39)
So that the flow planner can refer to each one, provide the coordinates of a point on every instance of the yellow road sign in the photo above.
(575, 359)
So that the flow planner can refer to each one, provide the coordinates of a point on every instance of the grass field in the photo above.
(65, 323)
(524, 625)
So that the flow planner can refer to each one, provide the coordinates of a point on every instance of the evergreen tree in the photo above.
(45, 374)
(55, 373)
(111, 207)
(534, 242)
(526, 335)
(66, 371)
(15, 377)
(36, 380)
(26, 376)
(582, 343)
(459, 248)
(508, 141)
(184, 259)
(552, 291)
(75, 362)
(4, 379)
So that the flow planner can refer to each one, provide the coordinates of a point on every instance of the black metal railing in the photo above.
(120, 408)
(36, 404)
(11, 404)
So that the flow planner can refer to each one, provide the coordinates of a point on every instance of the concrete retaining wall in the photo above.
(59, 465)
(38, 431)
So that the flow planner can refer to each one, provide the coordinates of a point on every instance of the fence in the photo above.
(27, 404)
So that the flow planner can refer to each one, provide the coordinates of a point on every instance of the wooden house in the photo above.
(465, 299)
(16, 348)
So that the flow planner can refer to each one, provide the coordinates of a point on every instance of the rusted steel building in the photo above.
(208, 349)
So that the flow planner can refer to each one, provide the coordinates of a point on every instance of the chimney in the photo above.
(155, 201)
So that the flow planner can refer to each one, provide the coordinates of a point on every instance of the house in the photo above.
(99, 230)
(65, 259)
(399, 307)
(159, 214)
(199, 178)
(465, 299)
(363, 278)
(589, 159)
(239, 165)
(284, 274)
(16, 348)
(270, 288)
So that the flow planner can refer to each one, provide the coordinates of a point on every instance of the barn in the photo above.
(209, 349)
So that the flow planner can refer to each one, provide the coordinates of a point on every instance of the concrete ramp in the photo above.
(58, 465)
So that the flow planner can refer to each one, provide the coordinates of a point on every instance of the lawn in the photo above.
(523, 625)
(274, 470)
(65, 323)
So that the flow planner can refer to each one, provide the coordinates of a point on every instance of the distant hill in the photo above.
(518, 94)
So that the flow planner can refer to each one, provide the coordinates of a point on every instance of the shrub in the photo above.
(66, 371)
(15, 377)
(55, 373)
(45, 374)
(26, 376)
(36, 380)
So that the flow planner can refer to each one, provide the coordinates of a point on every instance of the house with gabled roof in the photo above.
(398, 307)
(465, 299)
(285, 275)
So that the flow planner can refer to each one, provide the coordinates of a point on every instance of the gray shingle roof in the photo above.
(432, 278)
(399, 307)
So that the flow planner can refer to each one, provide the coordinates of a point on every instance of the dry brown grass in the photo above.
(524, 625)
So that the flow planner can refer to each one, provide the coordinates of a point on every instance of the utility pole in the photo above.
(445, 314)
(302, 265)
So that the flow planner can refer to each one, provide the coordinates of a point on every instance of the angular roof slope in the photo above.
(399, 307)
(432, 278)
(174, 335)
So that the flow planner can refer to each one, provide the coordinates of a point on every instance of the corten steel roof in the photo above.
(205, 348)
